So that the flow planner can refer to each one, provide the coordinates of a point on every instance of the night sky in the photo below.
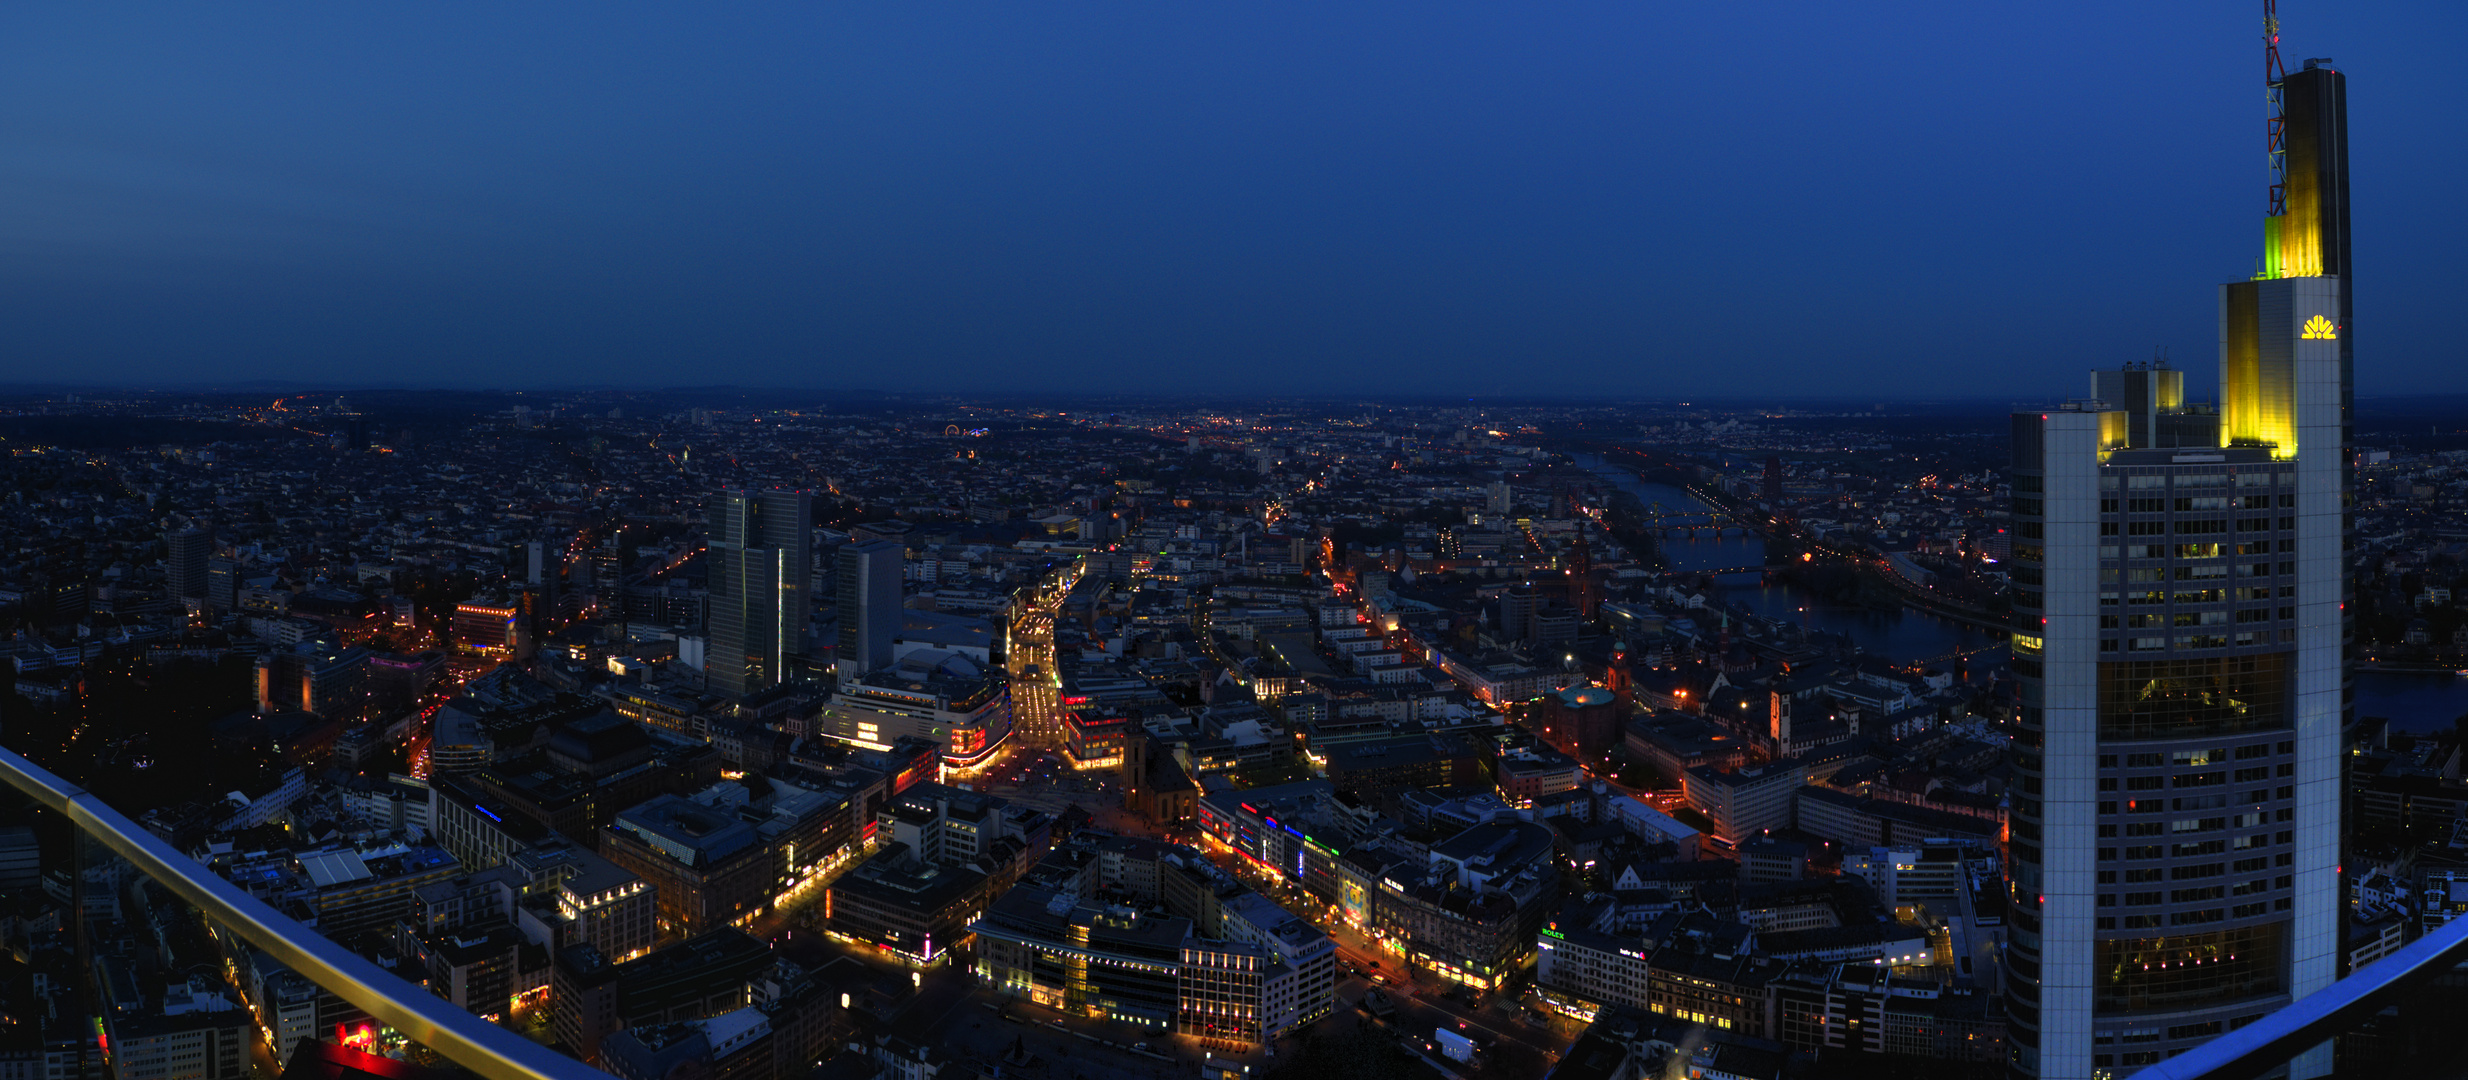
(1629, 200)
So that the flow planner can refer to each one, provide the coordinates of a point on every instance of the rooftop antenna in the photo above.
(2274, 262)
(2274, 78)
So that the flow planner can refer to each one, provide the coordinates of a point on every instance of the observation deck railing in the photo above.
(460, 1037)
(498, 1054)
(2266, 1044)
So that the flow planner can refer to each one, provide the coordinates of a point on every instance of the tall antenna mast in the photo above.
(2274, 77)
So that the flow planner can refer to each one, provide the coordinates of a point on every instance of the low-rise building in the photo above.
(1862, 1008)
(913, 908)
(944, 824)
(1528, 774)
(1582, 721)
(473, 967)
(1378, 771)
(591, 997)
(1268, 975)
(958, 703)
(342, 890)
(608, 907)
(191, 1032)
(1096, 736)
(1918, 874)
(1580, 969)
(1472, 909)
(1744, 802)
(1090, 960)
(725, 856)
(776, 1038)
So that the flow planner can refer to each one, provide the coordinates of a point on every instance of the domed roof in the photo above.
(1578, 697)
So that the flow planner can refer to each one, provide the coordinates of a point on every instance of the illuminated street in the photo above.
(1423, 999)
(1037, 713)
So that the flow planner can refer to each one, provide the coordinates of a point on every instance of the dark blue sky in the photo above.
(1638, 200)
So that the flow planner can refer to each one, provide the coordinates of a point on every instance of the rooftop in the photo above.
(687, 831)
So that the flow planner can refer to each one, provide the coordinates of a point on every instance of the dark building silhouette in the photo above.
(184, 563)
(759, 582)
(869, 601)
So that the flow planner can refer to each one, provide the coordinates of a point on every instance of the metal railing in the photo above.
(2307, 1022)
(458, 1036)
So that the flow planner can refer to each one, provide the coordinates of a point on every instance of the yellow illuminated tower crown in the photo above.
(2299, 301)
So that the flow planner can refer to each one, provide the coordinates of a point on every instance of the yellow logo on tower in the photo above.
(2318, 329)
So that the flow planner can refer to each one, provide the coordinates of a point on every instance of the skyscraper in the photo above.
(184, 563)
(869, 601)
(2181, 636)
(222, 584)
(544, 569)
(759, 583)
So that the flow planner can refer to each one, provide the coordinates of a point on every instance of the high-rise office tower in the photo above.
(184, 564)
(222, 584)
(2181, 636)
(544, 565)
(869, 600)
(759, 583)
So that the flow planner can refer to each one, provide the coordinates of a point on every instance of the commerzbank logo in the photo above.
(2318, 329)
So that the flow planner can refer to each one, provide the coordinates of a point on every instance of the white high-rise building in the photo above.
(2181, 631)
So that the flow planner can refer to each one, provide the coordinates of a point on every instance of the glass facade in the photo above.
(2192, 971)
(2158, 872)
(2193, 696)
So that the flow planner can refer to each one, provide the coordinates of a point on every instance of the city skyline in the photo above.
(1309, 660)
(787, 543)
(1453, 202)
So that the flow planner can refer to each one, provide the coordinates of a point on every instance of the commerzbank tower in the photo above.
(2182, 637)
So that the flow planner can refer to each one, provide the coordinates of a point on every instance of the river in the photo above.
(1900, 635)
(2413, 703)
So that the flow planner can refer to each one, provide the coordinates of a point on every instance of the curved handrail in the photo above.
(484, 1048)
(2306, 1022)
